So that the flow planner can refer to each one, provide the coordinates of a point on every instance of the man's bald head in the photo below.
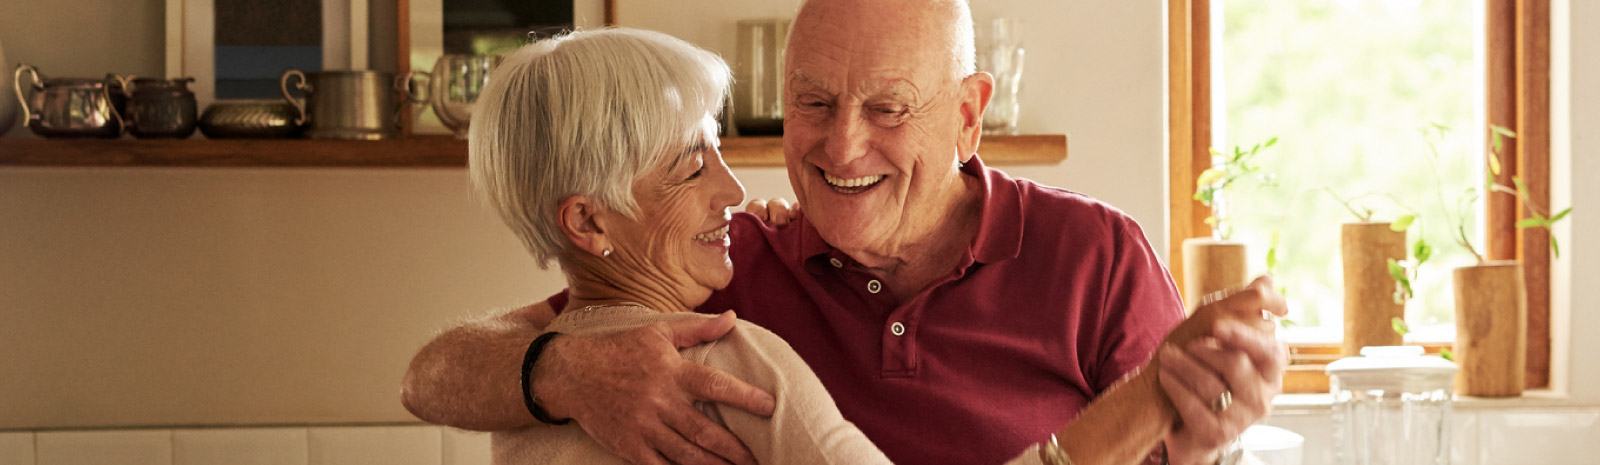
(944, 27)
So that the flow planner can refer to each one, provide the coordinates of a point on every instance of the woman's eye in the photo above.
(697, 173)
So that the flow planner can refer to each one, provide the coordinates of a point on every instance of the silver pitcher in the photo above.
(451, 88)
(353, 105)
(69, 107)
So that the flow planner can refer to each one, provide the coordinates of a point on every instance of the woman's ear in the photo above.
(577, 215)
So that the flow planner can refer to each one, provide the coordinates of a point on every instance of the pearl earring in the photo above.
(605, 253)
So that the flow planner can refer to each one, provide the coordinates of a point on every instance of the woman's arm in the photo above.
(806, 426)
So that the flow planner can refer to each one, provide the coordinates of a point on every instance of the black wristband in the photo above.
(534, 349)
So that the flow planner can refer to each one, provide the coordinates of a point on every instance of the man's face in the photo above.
(871, 123)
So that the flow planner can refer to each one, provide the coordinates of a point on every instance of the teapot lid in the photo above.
(1392, 359)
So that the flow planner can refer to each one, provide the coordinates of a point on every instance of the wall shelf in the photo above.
(410, 152)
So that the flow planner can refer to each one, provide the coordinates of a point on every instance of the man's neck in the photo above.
(935, 251)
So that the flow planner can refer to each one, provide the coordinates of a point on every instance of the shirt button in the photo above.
(874, 286)
(897, 329)
(836, 263)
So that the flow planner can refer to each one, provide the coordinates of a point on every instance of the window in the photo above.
(1348, 86)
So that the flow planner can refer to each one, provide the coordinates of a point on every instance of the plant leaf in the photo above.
(1421, 251)
(1521, 189)
(1561, 215)
(1399, 326)
(1208, 177)
(1494, 160)
(1447, 354)
(1396, 271)
(1533, 222)
(1402, 223)
(1555, 247)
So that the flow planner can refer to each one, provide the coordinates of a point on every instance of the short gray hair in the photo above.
(586, 113)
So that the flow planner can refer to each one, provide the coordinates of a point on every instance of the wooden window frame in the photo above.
(1518, 97)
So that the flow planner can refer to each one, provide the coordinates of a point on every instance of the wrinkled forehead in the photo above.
(841, 50)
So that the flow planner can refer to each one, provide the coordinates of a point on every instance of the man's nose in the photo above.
(847, 139)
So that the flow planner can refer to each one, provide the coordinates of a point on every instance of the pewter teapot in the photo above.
(70, 107)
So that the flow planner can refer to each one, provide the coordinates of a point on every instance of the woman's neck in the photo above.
(595, 281)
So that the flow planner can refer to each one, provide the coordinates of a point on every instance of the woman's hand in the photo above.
(776, 212)
(634, 394)
(1221, 369)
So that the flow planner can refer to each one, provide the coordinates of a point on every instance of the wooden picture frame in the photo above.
(421, 41)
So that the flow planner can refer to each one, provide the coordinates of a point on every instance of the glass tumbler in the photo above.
(758, 77)
(1000, 52)
(1392, 405)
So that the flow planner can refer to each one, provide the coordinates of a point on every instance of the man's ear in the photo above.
(975, 92)
(577, 215)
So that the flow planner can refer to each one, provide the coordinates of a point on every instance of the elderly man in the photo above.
(957, 315)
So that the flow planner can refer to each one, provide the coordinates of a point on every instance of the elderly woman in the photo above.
(599, 150)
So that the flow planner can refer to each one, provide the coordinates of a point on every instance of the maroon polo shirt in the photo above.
(1058, 297)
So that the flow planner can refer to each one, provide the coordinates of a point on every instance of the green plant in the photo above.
(1211, 185)
(1539, 217)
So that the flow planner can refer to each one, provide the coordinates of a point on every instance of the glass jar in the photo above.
(1392, 405)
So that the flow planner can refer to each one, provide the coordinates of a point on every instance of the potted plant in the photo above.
(1490, 297)
(1218, 262)
(1370, 251)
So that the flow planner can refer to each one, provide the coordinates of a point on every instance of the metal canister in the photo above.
(357, 105)
(161, 108)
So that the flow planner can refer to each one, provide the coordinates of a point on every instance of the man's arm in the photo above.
(468, 377)
(631, 391)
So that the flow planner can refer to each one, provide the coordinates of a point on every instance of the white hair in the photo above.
(586, 113)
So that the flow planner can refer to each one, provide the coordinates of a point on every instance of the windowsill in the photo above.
(1542, 398)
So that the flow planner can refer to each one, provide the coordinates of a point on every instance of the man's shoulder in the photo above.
(1054, 207)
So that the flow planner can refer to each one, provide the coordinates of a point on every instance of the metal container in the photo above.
(353, 105)
(250, 119)
(69, 107)
(451, 88)
(1392, 406)
(161, 108)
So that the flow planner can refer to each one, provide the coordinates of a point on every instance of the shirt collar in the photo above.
(999, 222)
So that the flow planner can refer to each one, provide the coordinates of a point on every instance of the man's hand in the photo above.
(776, 212)
(1223, 380)
(634, 394)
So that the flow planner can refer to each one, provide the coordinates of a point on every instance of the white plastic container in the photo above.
(1392, 405)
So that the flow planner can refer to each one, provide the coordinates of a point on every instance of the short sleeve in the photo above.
(1142, 306)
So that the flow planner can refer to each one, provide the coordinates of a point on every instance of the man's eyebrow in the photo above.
(807, 81)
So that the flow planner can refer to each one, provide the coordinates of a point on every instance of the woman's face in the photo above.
(681, 231)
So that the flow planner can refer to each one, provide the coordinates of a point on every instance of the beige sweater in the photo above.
(805, 427)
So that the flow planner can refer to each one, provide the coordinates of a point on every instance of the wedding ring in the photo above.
(1223, 402)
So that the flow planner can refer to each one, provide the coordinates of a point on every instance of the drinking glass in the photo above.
(1000, 52)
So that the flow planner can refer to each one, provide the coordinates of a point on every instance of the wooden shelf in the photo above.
(410, 152)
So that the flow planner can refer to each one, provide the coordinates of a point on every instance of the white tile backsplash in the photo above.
(16, 448)
(128, 447)
(1545, 436)
(392, 445)
(465, 447)
(242, 446)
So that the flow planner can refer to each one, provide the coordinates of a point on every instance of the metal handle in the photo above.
(16, 84)
(415, 95)
(299, 103)
(126, 83)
